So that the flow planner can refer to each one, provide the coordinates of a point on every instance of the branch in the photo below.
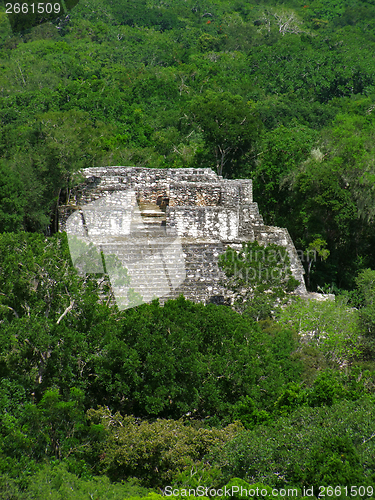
(19, 67)
(10, 309)
(366, 440)
(262, 152)
(68, 309)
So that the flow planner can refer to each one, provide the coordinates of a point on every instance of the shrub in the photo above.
(154, 452)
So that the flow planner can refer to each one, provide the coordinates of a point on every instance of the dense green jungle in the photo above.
(274, 394)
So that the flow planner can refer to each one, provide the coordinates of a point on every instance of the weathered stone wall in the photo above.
(201, 194)
(203, 276)
(215, 223)
(203, 212)
(147, 182)
(266, 235)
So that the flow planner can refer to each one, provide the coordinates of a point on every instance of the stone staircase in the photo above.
(153, 261)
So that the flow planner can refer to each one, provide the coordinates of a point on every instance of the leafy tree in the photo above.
(38, 280)
(366, 286)
(55, 427)
(330, 325)
(248, 414)
(282, 150)
(313, 447)
(52, 428)
(58, 482)
(155, 452)
(55, 145)
(149, 360)
(46, 308)
(229, 127)
(325, 189)
(183, 358)
(292, 397)
(317, 248)
(12, 201)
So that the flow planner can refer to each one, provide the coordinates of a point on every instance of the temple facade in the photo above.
(167, 227)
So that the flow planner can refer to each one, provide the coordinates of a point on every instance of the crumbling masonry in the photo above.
(202, 211)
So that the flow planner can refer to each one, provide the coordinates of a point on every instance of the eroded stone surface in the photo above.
(168, 227)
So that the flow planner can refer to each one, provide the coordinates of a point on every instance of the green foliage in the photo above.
(246, 412)
(325, 390)
(50, 429)
(188, 357)
(142, 13)
(313, 447)
(204, 362)
(229, 127)
(365, 282)
(55, 427)
(198, 473)
(329, 325)
(334, 193)
(154, 452)
(42, 161)
(149, 360)
(316, 248)
(146, 84)
(55, 481)
(335, 461)
(11, 207)
(366, 291)
(260, 278)
(259, 489)
(292, 397)
(282, 149)
(37, 279)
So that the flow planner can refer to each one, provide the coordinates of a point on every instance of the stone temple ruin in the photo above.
(167, 227)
